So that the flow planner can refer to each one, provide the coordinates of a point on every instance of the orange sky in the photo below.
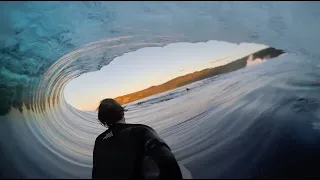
(151, 66)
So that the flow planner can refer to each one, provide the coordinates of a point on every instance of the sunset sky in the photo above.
(151, 66)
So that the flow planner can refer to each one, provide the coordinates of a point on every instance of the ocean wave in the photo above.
(260, 121)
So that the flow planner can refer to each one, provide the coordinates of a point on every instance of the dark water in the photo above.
(259, 122)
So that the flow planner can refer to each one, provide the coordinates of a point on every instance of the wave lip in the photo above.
(36, 34)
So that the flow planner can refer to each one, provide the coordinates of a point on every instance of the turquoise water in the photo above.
(261, 121)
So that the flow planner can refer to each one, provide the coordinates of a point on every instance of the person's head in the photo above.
(110, 112)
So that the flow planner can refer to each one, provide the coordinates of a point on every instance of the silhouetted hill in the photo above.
(198, 75)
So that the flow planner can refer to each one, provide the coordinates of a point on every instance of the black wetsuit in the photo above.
(119, 153)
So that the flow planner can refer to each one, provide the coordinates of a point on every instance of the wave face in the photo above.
(261, 121)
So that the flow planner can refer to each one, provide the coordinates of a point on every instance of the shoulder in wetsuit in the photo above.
(119, 153)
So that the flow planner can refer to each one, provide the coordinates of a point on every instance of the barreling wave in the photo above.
(261, 121)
